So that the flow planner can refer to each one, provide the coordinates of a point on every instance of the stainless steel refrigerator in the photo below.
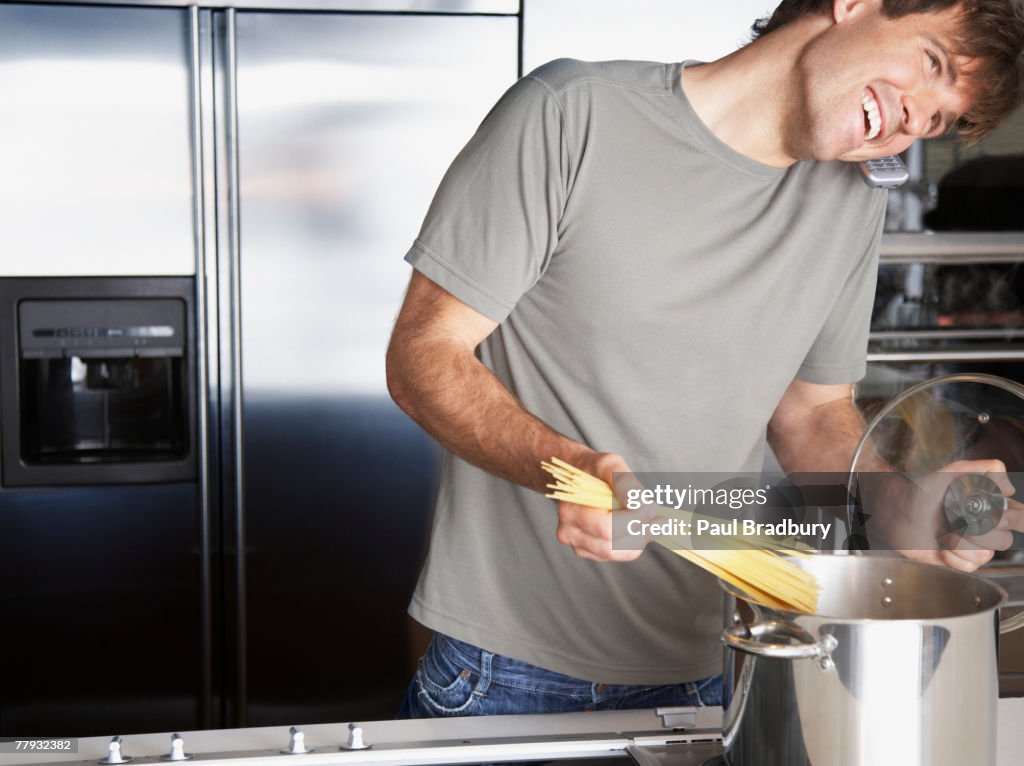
(276, 161)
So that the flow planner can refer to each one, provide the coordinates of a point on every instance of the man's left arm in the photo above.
(815, 428)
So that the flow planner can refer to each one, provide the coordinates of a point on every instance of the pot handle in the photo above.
(768, 639)
(1009, 578)
(1008, 624)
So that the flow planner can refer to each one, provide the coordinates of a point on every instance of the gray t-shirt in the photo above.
(657, 292)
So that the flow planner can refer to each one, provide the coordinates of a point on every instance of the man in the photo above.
(656, 264)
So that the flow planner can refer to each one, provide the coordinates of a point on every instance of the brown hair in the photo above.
(990, 32)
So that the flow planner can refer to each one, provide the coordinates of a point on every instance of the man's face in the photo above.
(872, 85)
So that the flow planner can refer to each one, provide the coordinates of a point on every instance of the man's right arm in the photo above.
(435, 377)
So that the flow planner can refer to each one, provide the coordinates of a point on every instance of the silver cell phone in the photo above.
(885, 172)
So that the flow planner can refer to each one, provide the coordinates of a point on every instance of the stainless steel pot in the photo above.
(897, 667)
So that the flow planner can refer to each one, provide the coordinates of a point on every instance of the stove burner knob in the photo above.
(297, 743)
(177, 750)
(355, 739)
(114, 753)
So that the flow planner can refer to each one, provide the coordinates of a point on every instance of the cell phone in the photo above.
(885, 172)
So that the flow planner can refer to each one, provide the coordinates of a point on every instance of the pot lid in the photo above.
(925, 435)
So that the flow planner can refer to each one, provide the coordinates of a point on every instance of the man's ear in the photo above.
(844, 9)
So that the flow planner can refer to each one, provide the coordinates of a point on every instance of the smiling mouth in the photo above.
(872, 115)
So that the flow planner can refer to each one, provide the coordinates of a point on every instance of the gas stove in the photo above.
(676, 736)
(662, 737)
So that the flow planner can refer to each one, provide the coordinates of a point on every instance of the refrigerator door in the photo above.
(100, 586)
(346, 124)
(95, 142)
(100, 592)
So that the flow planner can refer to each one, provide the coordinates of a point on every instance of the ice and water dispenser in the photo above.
(97, 388)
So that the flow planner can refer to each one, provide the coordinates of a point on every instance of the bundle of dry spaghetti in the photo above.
(755, 565)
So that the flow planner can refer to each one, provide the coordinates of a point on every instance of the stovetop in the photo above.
(604, 738)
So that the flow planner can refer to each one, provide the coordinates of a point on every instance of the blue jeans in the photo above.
(455, 678)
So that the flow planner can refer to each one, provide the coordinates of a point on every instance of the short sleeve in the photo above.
(839, 353)
(493, 224)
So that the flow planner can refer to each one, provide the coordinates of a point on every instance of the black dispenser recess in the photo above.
(102, 390)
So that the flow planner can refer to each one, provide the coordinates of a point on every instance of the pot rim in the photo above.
(999, 592)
